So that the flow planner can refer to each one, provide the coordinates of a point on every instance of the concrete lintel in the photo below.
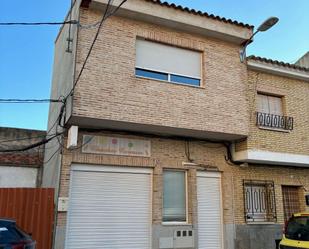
(164, 131)
(179, 20)
(272, 158)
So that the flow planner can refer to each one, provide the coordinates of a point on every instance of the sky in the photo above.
(26, 53)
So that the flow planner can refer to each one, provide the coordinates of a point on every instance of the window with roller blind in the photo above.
(167, 63)
(174, 196)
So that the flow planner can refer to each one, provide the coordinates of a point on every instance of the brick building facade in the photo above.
(133, 123)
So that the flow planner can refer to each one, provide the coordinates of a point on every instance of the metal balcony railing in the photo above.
(274, 121)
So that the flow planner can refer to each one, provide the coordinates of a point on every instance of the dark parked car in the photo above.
(12, 237)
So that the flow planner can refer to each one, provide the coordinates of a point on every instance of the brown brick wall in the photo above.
(33, 159)
(111, 91)
(281, 175)
(295, 104)
(165, 153)
(169, 153)
(13, 138)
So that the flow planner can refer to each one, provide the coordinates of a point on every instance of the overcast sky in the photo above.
(26, 53)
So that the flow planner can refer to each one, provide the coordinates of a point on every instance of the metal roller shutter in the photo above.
(210, 234)
(109, 209)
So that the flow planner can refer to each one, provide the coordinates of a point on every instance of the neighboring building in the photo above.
(20, 169)
(167, 152)
(276, 151)
(303, 61)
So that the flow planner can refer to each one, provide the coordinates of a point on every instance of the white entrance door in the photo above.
(109, 208)
(210, 227)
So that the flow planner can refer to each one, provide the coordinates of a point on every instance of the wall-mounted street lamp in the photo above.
(267, 24)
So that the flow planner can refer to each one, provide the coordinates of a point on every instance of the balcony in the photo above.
(274, 121)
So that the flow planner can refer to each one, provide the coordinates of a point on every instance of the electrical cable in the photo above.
(25, 101)
(37, 23)
(44, 162)
(90, 50)
(62, 110)
(105, 16)
(31, 146)
(25, 138)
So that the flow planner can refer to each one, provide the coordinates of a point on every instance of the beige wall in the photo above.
(295, 104)
(169, 153)
(280, 175)
(165, 153)
(111, 91)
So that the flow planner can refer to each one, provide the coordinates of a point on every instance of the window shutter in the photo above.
(169, 59)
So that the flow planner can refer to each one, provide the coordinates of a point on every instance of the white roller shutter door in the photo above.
(210, 235)
(109, 208)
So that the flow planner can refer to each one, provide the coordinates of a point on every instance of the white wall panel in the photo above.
(18, 177)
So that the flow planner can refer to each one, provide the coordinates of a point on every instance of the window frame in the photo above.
(290, 203)
(169, 76)
(186, 197)
(168, 73)
(272, 96)
(271, 120)
(268, 185)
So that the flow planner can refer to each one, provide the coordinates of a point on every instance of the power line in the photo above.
(56, 151)
(25, 138)
(32, 146)
(63, 100)
(105, 16)
(37, 23)
(30, 101)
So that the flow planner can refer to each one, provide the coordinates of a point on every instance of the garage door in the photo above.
(109, 208)
(209, 210)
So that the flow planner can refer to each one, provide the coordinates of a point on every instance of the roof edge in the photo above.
(278, 68)
(200, 13)
(278, 63)
(180, 18)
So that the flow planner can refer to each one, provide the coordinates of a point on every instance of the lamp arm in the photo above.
(242, 52)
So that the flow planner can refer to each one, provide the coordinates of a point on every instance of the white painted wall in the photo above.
(12, 177)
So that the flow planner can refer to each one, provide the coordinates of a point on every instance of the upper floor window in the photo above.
(270, 104)
(168, 63)
(270, 113)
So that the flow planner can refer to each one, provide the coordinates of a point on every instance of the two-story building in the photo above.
(273, 180)
(169, 143)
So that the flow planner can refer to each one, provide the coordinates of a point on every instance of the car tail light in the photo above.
(284, 230)
(18, 246)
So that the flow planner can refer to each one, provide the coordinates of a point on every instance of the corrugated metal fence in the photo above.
(33, 210)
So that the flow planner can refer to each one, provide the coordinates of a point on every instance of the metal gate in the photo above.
(33, 210)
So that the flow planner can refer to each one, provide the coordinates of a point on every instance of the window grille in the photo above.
(259, 200)
(291, 202)
(270, 113)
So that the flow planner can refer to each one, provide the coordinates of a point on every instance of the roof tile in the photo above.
(195, 12)
(279, 63)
